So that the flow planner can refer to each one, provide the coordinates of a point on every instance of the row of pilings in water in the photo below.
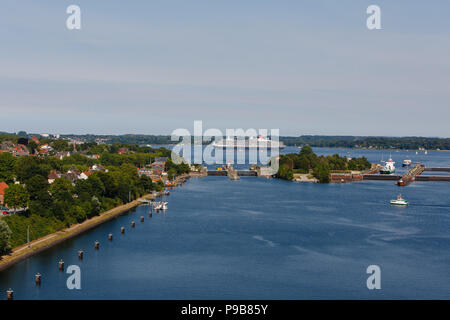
(38, 276)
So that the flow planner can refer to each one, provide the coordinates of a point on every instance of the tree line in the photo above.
(403, 143)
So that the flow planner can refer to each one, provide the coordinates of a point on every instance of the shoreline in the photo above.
(22, 252)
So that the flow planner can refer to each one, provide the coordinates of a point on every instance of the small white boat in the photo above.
(399, 201)
(164, 205)
(158, 206)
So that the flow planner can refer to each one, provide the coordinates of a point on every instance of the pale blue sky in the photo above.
(305, 67)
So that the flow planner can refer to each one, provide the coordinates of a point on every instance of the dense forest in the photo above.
(51, 207)
(306, 161)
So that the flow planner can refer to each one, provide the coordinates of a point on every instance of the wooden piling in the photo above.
(132, 224)
(61, 265)
(96, 245)
(38, 278)
(110, 237)
(142, 219)
(80, 254)
(150, 214)
(9, 294)
(122, 230)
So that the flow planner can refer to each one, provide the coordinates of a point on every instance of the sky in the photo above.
(150, 67)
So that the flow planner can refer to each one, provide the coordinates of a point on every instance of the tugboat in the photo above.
(407, 163)
(388, 167)
(399, 201)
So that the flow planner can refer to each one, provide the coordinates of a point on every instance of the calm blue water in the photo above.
(262, 239)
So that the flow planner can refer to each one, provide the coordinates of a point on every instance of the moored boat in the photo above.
(388, 167)
(406, 163)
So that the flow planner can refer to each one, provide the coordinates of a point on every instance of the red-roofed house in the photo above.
(85, 174)
(3, 186)
(53, 175)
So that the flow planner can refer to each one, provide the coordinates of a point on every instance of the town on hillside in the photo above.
(53, 159)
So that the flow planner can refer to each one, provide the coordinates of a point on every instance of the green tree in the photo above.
(32, 146)
(16, 196)
(62, 190)
(7, 163)
(36, 185)
(5, 235)
(285, 172)
(27, 167)
(172, 173)
(40, 199)
(145, 183)
(322, 172)
(61, 145)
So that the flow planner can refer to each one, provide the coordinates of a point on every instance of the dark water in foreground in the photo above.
(259, 239)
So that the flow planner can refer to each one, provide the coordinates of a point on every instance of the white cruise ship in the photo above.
(251, 143)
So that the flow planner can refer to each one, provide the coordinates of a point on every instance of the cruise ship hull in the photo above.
(248, 147)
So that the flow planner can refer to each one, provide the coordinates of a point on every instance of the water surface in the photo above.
(261, 239)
